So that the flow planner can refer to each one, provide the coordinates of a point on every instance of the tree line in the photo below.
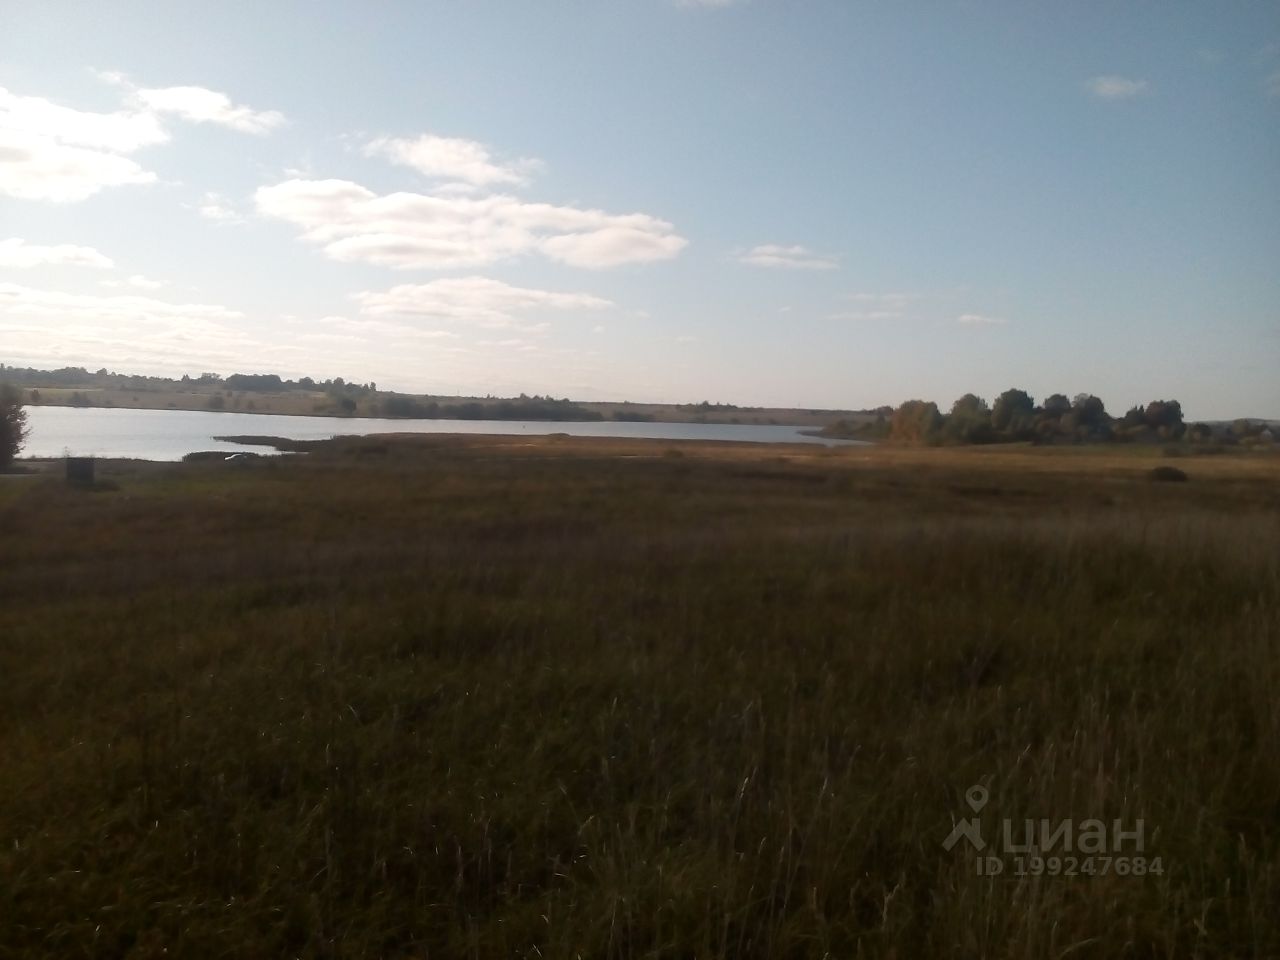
(66, 377)
(1014, 417)
(399, 405)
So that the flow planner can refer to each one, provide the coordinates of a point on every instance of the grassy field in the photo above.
(449, 698)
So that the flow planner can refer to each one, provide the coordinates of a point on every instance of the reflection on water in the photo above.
(172, 434)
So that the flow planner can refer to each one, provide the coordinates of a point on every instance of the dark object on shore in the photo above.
(80, 471)
(1167, 474)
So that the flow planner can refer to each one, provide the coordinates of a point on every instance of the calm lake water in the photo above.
(172, 434)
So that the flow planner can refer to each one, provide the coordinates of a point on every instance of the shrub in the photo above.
(1166, 474)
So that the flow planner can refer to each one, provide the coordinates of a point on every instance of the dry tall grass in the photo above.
(444, 698)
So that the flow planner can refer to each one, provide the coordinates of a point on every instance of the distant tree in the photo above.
(1013, 413)
(13, 424)
(1086, 420)
(348, 405)
(1244, 427)
(970, 405)
(217, 402)
(1089, 410)
(969, 421)
(916, 421)
(1163, 413)
(1048, 422)
(259, 382)
(1134, 417)
(1057, 405)
(1200, 433)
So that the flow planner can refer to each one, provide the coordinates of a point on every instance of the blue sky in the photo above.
(832, 204)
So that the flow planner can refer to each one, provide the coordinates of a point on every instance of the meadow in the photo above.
(444, 697)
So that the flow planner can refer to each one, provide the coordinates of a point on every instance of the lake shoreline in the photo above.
(170, 435)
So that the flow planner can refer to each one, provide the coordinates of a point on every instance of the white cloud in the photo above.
(451, 158)
(978, 319)
(478, 301)
(40, 168)
(16, 253)
(137, 332)
(1117, 88)
(791, 258)
(58, 327)
(201, 105)
(896, 300)
(16, 299)
(876, 306)
(52, 152)
(113, 78)
(514, 343)
(381, 331)
(612, 241)
(860, 315)
(213, 206)
(137, 281)
(119, 132)
(417, 231)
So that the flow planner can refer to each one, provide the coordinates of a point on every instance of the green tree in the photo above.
(1087, 419)
(969, 421)
(1090, 411)
(1133, 417)
(1200, 433)
(970, 405)
(1056, 405)
(1013, 413)
(916, 421)
(13, 424)
(1164, 414)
